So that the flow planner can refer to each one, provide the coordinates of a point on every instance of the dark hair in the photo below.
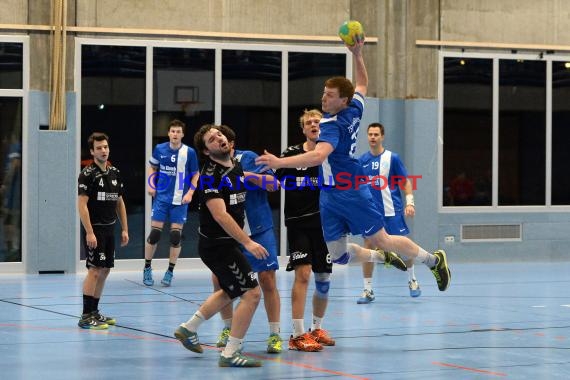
(178, 124)
(376, 125)
(228, 132)
(96, 136)
(199, 138)
(345, 87)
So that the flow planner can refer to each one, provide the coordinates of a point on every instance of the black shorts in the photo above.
(307, 246)
(102, 256)
(227, 262)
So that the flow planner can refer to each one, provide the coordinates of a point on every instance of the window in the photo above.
(498, 138)
(11, 104)
(183, 89)
(113, 88)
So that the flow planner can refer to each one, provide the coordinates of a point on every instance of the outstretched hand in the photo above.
(268, 160)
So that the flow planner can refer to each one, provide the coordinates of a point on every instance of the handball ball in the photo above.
(349, 30)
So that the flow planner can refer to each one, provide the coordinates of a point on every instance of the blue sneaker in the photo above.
(188, 339)
(147, 277)
(366, 297)
(167, 279)
(415, 290)
(239, 360)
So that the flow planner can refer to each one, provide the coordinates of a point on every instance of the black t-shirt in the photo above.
(218, 181)
(103, 189)
(301, 187)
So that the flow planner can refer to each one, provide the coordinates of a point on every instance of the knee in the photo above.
(175, 237)
(302, 274)
(252, 296)
(267, 281)
(322, 285)
(154, 235)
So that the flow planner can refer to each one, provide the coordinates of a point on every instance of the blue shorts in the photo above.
(354, 211)
(162, 211)
(267, 240)
(396, 225)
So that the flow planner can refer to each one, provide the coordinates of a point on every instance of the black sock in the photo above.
(171, 267)
(95, 303)
(87, 304)
(147, 263)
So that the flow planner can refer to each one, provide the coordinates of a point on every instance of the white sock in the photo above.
(368, 283)
(193, 323)
(227, 323)
(298, 327)
(317, 322)
(426, 258)
(233, 345)
(411, 273)
(274, 328)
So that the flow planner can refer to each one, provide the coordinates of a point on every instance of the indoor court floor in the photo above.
(496, 321)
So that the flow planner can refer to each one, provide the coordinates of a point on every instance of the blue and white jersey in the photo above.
(389, 174)
(258, 214)
(341, 131)
(175, 171)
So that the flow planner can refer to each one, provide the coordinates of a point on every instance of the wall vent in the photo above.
(491, 232)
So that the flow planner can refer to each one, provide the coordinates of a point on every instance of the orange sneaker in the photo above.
(322, 336)
(305, 342)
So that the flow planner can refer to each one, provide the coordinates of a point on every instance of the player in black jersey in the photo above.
(222, 201)
(307, 247)
(99, 202)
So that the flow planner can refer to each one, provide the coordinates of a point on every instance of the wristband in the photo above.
(410, 200)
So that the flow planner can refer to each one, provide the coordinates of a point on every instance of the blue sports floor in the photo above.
(496, 321)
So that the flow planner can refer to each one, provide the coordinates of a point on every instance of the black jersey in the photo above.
(301, 187)
(218, 181)
(103, 189)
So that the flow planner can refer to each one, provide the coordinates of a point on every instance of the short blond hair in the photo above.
(309, 113)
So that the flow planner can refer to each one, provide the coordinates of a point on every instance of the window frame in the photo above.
(495, 57)
(24, 94)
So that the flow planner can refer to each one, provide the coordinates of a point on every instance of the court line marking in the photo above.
(469, 369)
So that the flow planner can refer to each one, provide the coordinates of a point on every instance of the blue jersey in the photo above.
(257, 210)
(175, 170)
(388, 173)
(341, 131)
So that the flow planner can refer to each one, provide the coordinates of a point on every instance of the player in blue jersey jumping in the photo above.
(172, 179)
(259, 226)
(390, 176)
(351, 209)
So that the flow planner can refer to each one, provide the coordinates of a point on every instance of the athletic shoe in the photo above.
(239, 360)
(322, 337)
(415, 290)
(305, 342)
(223, 337)
(167, 279)
(441, 271)
(274, 343)
(188, 339)
(147, 277)
(104, 319)
(394, 260)
(366, 297)
(87, 321)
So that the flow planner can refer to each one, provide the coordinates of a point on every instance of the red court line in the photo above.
(312, 368)
(470, 369)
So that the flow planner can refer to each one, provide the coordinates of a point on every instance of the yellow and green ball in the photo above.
(349, 30)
